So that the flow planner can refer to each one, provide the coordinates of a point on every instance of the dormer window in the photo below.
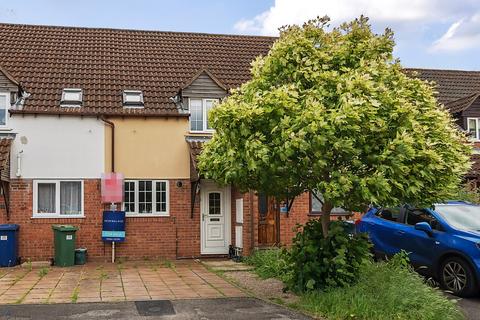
(133, 98)
(473, 128)
(72, 97)
(199, 110)
(4, 106)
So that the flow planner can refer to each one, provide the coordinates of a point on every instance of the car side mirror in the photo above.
(425, 227)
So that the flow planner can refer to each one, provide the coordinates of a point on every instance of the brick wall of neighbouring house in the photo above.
(146, 237)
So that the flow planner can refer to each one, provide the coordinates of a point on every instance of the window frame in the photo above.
(319, 213)
(132, 104)
(438, 227)
(57, 213)
(154, 213)
(204, 114)
(8, 101)
(400, 218)
(476, 137)
(71, 103)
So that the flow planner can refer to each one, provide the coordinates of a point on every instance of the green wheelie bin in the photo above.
(64, 245)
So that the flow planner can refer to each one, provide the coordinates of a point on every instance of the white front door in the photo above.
(215, 219)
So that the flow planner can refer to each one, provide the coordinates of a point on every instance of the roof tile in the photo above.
(104, 62)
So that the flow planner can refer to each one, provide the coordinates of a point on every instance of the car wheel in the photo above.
(457, 276)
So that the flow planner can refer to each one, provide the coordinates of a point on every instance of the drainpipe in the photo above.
(112, 125)
(19, 164)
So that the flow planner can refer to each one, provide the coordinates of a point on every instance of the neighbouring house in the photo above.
(459, 91)
(78, 102)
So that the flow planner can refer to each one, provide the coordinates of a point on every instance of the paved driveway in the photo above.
(97, 282)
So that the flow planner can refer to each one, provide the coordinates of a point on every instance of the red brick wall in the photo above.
(146, 237)
(175, 236)
(299, 214)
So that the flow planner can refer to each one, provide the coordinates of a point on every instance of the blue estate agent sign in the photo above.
(113, 226)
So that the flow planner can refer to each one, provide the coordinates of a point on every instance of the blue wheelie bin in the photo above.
(8, 245)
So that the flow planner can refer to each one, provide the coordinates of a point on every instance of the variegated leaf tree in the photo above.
(331, 111)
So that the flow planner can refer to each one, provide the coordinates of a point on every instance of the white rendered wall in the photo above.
(57, 147)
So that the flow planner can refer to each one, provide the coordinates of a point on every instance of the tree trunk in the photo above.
(326, 209)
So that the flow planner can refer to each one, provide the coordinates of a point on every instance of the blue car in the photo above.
(443, 241)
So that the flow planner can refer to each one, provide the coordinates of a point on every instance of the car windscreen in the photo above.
(465, 217)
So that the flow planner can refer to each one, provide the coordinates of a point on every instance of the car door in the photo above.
(383, 230)
(422, 248)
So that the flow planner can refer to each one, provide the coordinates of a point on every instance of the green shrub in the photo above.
(269, 263)
(335, 261)
(386, 290)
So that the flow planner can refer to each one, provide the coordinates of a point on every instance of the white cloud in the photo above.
(462, 34)
(412, 19)
(392, 11)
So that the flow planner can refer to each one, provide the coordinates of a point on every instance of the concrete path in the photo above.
(221, 309)
(106, 282)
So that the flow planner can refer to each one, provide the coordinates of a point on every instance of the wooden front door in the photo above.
(268, 221)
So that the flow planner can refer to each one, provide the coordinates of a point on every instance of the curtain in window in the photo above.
(46, 198)
(70, 197)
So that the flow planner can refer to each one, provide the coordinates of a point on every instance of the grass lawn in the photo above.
(384, 291)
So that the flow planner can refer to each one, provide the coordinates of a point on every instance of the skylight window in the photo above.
(133, 98)
(72, 97)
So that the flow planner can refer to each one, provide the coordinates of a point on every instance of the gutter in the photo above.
(97, 114)
(112, 125)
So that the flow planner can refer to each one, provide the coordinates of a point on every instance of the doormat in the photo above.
(155, 308)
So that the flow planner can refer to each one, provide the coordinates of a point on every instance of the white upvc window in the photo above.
(199, 110)
(4, 106)
(146, 198)
(473, 128)
(58, 199)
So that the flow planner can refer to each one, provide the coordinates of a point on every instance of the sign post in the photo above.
(113, 228)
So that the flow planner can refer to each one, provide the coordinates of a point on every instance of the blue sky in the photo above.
(429, 33)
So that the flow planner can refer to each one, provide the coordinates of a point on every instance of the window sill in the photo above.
(57, 216)
(146, 215)
(202, 132)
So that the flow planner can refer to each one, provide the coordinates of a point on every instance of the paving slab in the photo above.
(97, 282)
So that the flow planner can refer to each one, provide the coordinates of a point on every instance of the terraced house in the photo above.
(77, 102)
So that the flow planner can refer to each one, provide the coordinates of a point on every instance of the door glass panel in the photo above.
(262, 204)
(214, 203)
